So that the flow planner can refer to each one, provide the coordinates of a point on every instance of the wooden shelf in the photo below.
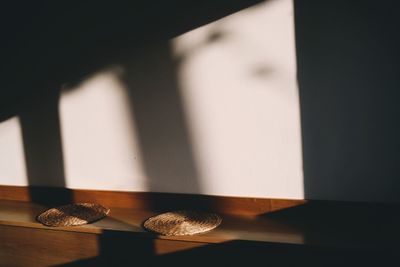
(330, 226)
(248, 228)
(356, 225)
(287, 232)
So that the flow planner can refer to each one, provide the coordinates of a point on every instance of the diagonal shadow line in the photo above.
(75, 54)
(156, 104)
(160, 120)
(40, 126)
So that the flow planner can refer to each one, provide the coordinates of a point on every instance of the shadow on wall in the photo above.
(164, 141)
(41, 134)
(50, 44)
(348, 66)
(347, 57)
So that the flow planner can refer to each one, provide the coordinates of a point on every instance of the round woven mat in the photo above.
(183, 222)
(73, 214)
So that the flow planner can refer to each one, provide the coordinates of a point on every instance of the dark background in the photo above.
(348, 72)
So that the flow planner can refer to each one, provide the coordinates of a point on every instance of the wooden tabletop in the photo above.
(309, 224)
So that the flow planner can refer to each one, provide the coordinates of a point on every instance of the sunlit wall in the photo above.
(232, 126)
(238, 79)
(12, 160)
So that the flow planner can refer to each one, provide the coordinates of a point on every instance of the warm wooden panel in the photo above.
(147, 200)
(316, 223)
(17, 193)
(120, 237)
(25, 246)
(22, 246)
(280, 204)
(162, 247)
(233, 227)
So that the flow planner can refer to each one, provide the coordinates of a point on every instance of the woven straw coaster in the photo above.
(73, 214)
(183, 222)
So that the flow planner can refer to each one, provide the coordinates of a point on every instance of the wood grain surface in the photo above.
(147, 200)
(365, 228)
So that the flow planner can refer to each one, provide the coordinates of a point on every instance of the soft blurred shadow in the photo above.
(40, 126)
(49, 44)
(160, 120)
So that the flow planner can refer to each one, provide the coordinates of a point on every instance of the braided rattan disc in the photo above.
(73, 214)
(183, 222)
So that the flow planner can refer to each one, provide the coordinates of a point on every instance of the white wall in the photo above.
(242, 103)
(236, 78)
(12, 160)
